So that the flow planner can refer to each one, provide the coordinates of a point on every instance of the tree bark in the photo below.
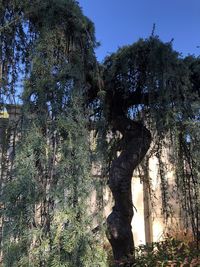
(134, 145)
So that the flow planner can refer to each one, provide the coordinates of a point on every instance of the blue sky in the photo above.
(121, 22)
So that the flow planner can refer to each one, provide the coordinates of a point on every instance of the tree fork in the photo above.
(135, 144)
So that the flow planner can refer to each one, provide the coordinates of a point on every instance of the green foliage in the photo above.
(148, 77)
(46, 194)
(167, 253)
(150, 82)
(26, 29)
(47, 199)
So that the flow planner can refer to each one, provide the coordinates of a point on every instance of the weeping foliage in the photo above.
(150, 82)
(27, 28)
(49, 47)
(47, 198)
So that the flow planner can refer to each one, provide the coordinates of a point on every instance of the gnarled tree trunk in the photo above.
(134, 145)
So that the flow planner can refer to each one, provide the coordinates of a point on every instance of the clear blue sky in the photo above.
(121, 22)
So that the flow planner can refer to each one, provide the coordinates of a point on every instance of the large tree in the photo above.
(150, 90)
(142, 93)
(149, 86)
(47, 48)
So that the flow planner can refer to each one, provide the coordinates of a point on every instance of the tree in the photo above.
(150, 87)
(142, 93)
(45, 194)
